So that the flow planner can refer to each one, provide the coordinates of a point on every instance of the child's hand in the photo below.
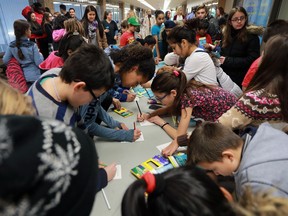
(144, 116)
(157, 120)
(116, 103)
(124, 127)
(111, 171)
(126, 91)
(222, 59)
(137, 134)
(131, 97)
(169, 150)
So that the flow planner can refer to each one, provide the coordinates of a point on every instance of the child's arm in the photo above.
(105, 175)
(182, 129)
(163, 124)
(38, 57)
(7, 56)
(159, 112)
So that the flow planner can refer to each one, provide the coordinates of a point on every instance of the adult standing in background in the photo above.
(239, 47)
(202, 13)
(72, 13)
(167, 15)
(179, 17)
(110, 28)
(148, 22)
(63, 11)
(93, 27)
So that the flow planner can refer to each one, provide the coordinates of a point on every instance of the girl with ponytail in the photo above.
(24, 51)
(184, 99)
(180, 191)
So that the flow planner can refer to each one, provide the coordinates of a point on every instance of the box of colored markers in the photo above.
(123, 112)
(159, 164)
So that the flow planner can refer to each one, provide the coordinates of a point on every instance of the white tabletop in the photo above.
(128, 155)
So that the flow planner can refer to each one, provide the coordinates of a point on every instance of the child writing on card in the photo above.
(185, 99)
(40, 144)
(60, 91)
(133, 65)
(257, 160)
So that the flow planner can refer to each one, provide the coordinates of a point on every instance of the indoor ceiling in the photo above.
(157, 4)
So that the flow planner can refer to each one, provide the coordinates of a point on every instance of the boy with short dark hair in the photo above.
(258, 160)
(128, 36)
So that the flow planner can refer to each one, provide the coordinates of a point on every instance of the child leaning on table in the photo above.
(184, 99)
(258, 160)
(30, 147)
(61, 91)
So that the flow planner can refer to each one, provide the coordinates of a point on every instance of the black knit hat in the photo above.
(46, 168)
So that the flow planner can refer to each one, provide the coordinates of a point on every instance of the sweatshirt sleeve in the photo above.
(102, 180)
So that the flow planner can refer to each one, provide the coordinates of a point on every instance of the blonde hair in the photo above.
(14, 102)
(73, 25)
(261, 204)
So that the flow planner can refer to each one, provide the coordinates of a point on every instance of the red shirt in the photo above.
(250, 74)
(126, 38)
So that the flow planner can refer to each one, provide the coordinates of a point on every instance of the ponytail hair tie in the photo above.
(149, 178)
(176, 73)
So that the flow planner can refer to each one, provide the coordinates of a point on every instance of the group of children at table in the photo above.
(257, 157)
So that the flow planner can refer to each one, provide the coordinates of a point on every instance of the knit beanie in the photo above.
(46, 168)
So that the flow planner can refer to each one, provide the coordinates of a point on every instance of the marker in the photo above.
(105, 198)
(134, 125)
(147, 93)
(139, 108)
(104, 165)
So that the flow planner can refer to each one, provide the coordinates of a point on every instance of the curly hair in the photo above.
(134, 55)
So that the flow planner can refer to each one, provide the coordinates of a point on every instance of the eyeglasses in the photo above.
(92, 93)
(161, 98)
(238, 19)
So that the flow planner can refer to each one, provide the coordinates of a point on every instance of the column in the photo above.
(121, 11)
(102, 4)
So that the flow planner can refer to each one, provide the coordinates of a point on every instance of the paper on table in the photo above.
(161, 147)
(141, 138)
(146, 123)
(118, 174)
(136, 98)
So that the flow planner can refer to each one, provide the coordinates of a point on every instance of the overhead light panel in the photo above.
(146, 4)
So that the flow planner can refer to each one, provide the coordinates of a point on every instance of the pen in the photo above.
(139, 108)
(134, 125)
(105, 198)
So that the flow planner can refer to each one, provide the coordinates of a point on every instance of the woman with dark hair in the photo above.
(265, 98)
(93, 27)
(180, 191)
(110, 28)
(36, 30)
(46, 42)
(239, 47)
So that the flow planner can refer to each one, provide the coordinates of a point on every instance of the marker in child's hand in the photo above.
(139, 108)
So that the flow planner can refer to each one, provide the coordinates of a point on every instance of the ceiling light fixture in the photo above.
(166, 4)
(146, 4)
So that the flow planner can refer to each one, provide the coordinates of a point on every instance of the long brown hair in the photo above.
(242, 35)
(272, 74)
(20, 28)
(170, 78)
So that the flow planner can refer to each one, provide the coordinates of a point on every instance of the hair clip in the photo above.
(176, 73)
(75, 33)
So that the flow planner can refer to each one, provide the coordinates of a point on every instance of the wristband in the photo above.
(166, 123)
